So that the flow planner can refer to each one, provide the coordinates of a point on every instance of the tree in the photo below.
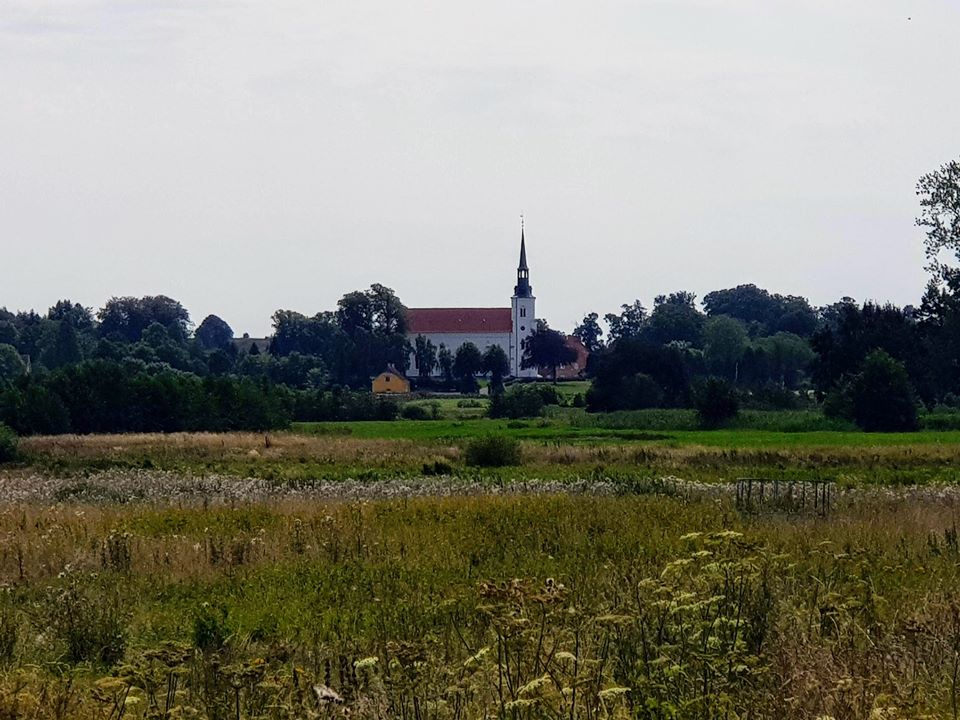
(939, 193)
(11, 364)
(629, 323)
(724, 342)
(616, 385)
(214, 334)
(466, 364)
(9, 335)
(590, 333)
(64, 347)
(497, 365)
(425, 354)
(546, 348)
(880, 397)
(125, 318)
(445, 363)
(675, 318)
(762, 311)
(716, 402)
(79, 317)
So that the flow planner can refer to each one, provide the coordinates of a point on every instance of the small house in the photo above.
(391, 380)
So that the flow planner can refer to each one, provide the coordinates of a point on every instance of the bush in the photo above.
(520, 401)
(91, 623)
(493, 451)
(8, 444)
(879, 398)
(414, 412)
(211, 629)
(716, 402)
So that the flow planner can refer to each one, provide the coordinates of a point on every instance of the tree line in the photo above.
(141, 364)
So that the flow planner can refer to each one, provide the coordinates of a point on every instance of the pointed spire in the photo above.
(523, 248)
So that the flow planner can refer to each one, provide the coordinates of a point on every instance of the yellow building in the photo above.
(391, 380)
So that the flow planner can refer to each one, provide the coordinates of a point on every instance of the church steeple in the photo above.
(523, 288)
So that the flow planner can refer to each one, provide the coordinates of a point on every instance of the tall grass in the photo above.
(583, 607)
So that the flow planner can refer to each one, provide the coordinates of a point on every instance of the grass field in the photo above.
(608, 575)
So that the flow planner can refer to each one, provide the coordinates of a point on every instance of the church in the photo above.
(507, 327)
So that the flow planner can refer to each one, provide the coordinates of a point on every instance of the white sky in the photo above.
(248, 156)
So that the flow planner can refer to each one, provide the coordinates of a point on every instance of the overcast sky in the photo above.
(248, 156)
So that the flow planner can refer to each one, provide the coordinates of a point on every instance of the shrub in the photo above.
(91, 623)
(493, 451)
(879, 398)
(716, 402)
(8, 444)
(211, 629)
(414, 412)
(520, 401)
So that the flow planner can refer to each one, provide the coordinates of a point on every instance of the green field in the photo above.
(609, 573)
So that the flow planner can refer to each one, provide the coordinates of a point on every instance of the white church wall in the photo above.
(453, 341)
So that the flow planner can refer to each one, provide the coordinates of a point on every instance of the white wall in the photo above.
(453, 341)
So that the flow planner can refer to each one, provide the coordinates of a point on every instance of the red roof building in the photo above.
(428, 321)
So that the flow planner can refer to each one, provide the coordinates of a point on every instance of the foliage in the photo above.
(879, 398)
(492, 451)
(767, 312)
(520, 401)
(466, 364)
(629, 324)
(8, 444)
(725, 341)
(425, 354)
(590, 333)
(496, 364)
(617, 384)
(214, 333)
(546, 348)
(939, 193)
(89, 621)
(11, 364)
(716, 402)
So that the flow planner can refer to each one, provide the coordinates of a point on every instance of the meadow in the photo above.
(368, 570)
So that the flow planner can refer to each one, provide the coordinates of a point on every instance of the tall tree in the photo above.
(629, 323)
(725, 340)
(547, 348)
(467, 362)
(425, 353)
(675, 318)
(11, 364)
(214, 333)
(939, 193)
(590, 333)
(497, 365)
(445, 363)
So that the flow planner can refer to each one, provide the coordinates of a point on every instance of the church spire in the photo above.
(523, 288)
(523, 248)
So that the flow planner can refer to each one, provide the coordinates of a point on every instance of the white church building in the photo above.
(507, 327)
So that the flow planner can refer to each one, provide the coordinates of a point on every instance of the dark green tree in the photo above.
(675, 318)
(716, 402)
(497, 365)
(425, 355)
(880, 397)
(590, 333)
(467, 362)
(445, 363)
(214, 334)
(548, 349)
(629, 324)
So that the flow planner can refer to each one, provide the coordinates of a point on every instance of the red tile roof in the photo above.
(459, 320)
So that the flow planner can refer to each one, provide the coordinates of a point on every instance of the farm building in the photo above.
(391, 381)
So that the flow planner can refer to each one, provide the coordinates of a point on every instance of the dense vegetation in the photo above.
(138, 364)
(142, 594)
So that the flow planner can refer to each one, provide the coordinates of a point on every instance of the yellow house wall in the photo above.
(394, 385)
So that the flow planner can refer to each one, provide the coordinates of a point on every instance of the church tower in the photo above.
(524, 319)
